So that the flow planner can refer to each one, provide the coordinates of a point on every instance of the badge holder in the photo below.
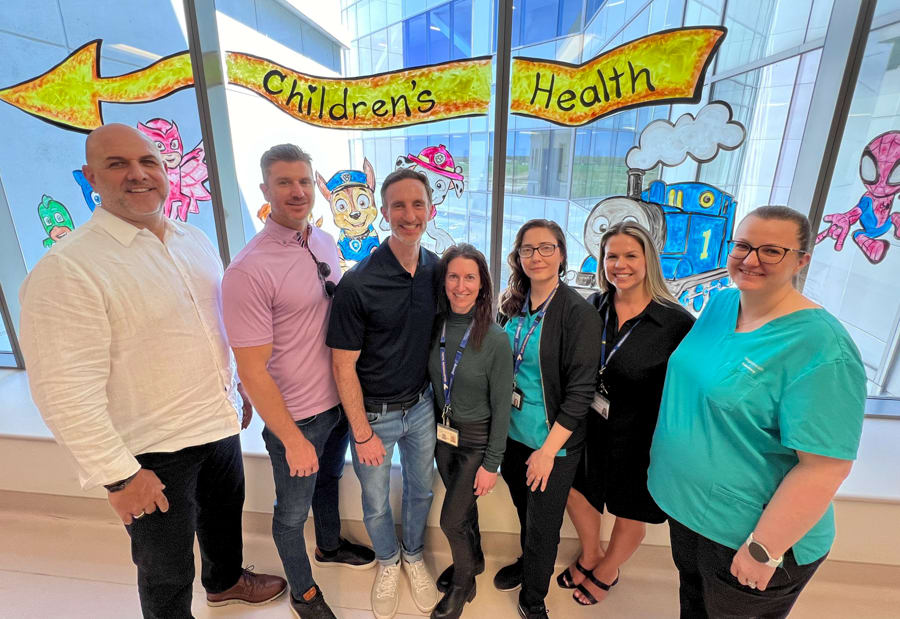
(600, 404)
(517, 398)
(445, 433)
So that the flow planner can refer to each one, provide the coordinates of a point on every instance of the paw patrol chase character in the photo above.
(351, 194)
(56, 220)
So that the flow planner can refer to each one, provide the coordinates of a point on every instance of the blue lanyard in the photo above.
(445, 380)
(519, 352)
(604, 360)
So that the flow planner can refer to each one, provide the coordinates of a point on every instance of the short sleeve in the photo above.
(822, 410)
(346, 325)
(246, 309)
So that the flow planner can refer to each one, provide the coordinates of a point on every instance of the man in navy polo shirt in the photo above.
(379, 330)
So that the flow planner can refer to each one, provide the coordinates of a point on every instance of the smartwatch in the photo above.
(761, 554)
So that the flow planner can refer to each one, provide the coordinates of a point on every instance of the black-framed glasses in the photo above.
(766, 254)
(544, 249)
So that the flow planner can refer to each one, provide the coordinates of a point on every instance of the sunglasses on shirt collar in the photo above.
(323, 269)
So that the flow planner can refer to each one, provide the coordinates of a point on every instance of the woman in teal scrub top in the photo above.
(554, 334)
(760, 420)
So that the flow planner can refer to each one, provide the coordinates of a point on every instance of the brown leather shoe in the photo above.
(251, 588)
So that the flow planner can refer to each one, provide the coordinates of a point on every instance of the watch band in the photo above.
(121, 484)
(756, 548)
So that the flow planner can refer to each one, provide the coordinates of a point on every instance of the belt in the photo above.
(390, 407)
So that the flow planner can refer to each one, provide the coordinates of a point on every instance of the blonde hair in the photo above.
(654, 284)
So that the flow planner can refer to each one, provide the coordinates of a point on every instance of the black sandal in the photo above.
(564, 580)
(591, 600)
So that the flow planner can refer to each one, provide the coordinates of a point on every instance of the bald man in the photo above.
(128, 363)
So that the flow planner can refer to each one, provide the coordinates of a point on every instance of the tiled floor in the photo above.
(80, 568)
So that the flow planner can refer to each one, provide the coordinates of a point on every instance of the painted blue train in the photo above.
(690, 224)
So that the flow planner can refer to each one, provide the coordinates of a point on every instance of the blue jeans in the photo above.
(413, 431)
(328, 432)
(205, 489)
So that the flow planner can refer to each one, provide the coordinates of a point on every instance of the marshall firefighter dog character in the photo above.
(351, 194)
(879, 169)
(437, 164)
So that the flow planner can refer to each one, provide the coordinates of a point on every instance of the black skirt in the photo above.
(613, 471)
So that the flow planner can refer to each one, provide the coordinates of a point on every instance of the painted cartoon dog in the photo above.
(351, 194)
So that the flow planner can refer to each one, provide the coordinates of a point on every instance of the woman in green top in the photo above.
(470, 367)
(760, 420)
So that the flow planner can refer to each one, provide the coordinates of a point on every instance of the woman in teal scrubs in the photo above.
(554, 334)
(760, 420)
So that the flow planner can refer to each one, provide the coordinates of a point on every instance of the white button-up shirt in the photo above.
(124, 344)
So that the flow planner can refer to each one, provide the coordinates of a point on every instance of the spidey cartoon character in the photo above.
(187, 172)
(351, 194)
(879, 169)
(436, 163)
(56, 220)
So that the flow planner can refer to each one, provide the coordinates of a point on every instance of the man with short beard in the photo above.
(129, 367)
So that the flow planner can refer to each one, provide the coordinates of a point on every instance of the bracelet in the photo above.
(120, 485)
(365, 441)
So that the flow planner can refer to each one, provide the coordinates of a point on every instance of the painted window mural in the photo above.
(118, 71)
(681, 114)
(855, 266)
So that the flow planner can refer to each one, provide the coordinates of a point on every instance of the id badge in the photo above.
(448, 435)
(517, 398)
(600, 405)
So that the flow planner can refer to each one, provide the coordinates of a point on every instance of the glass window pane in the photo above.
(539, 20)
(856, 279)
(439, 35)
(462, 29)
(415, 32)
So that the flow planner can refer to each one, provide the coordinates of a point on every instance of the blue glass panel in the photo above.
(462, 29)
(569, 17)
(539, 20)
(414, 41)
(439, 34)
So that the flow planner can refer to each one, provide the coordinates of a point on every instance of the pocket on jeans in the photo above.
(373, 417)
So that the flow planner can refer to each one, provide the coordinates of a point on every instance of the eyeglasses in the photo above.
(766, 254)
(544, 249)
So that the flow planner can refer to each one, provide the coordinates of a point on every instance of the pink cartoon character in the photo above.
(879, 169)
(437, 164)
(187, 173)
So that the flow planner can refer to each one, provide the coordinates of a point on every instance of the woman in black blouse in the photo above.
(643, 324)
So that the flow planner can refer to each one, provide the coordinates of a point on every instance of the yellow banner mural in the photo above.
(70, 94)
(664, 67)
(395, 99)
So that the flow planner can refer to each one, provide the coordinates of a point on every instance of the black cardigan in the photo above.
(570, 359)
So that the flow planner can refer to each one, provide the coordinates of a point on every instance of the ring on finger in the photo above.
(752, 585)
(141, 515)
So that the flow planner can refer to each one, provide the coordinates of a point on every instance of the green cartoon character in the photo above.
(56, 220)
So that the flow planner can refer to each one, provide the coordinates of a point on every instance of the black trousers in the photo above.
(459, 513)
(707, 588)
(205, 490)
(540, 515)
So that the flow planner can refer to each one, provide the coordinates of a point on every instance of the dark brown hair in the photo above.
(485, 300)
(398, 175)
(512, 300)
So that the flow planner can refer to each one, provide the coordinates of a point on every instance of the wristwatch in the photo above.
(761, 553)
(121, 484)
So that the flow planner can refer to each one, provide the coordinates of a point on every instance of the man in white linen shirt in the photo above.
(128, 363)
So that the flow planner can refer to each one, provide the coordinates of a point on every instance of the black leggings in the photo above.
(459, 514)
(540, 515)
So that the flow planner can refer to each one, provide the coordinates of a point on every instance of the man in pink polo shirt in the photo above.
(277, 298)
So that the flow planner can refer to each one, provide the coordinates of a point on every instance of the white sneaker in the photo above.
(385, 591)
(421, 585)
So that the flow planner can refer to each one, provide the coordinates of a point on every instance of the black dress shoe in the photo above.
(509, 578)
(451, 605)
(446, 577)
(533, 612)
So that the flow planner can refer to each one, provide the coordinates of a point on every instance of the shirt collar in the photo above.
(282, 233)
(387, 258)
(654, 311)
(123, 231)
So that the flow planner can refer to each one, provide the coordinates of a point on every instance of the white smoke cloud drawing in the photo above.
(698, 137)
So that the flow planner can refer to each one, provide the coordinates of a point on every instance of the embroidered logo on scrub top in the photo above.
(750, 366)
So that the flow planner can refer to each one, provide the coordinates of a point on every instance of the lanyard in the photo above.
(445, 380)
(519, 352)
(604, 360)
